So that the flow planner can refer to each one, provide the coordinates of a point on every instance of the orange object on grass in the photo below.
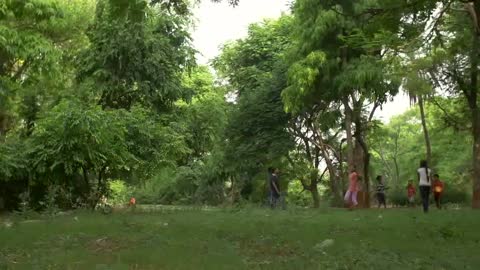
(132, 201)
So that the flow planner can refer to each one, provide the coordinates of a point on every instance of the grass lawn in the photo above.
(245, 239)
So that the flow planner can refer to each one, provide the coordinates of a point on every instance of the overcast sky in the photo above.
(219, 23)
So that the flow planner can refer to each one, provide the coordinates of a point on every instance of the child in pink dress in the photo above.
(351, 194)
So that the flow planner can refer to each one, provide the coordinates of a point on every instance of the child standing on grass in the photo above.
(437, 190)
(381, 192)
(274, 188)
(351, 194)
(411, 191)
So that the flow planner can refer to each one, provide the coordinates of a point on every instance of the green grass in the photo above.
(246, 239)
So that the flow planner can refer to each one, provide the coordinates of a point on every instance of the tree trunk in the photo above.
(363, 155)
(397, 170)
(88, 194)
(348, 130)
(471, 95)
(425, 130)
(315, 196)
(334, 181)
(474, 61)
(476, 159)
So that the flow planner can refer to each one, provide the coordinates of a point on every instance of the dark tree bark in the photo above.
(426, 135)
(471, 95)
(348, 130)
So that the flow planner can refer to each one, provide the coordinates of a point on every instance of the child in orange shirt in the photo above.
(411, 191)
(132, 203)
(437, 190)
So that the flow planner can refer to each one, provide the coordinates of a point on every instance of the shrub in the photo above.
(454, 193)
(157, 190)
(211, 194)
(120, 193)
(296, 196)
(397, 196)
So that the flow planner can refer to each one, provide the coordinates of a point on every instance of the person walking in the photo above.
(274, 188)
(351, 194)
(424, 183)
(411, 191)
(380, 190)
(438, 187)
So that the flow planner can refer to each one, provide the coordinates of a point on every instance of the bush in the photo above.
(149, 193)
(120, 193)
(455, 194)
(210, 194)
(158, 190)
(296, 196)
(397, 196)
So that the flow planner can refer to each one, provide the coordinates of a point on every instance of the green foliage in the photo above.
(297, 195)
(137, 54)
(97, 90)
(320, 71)
(13, 159)
(256, 131)
(153, 140)
(395, 146)
(454, 194)
(119, 192)
(49, 203)
(73, 137)
(204, 117)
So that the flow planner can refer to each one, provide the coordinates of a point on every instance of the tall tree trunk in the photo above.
(348, 130)
(397, 170)
(88, 195)
(476, 159)
(474, 72)
(315, 196)
(471, 94)
(334, 179)
(363, 157)
(3, 124)
(425, 130)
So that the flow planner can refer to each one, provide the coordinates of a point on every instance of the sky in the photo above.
(218, 23)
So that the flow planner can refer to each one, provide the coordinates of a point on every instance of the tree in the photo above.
(338, 60)
(315, 139)
(137, 55)
(452, 42)
(37, 40)
(256, 131)
(395, 145)
(71, 139)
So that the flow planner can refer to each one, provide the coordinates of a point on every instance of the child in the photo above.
(437, 190)
(353, 187)
(132, 203)
(411, 191)
(381, 192)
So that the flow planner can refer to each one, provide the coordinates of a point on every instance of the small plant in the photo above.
(50, 205)
(25, 210)
(104, 206)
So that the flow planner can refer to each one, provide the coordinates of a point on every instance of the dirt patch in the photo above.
(11, 256)
(106, 245)
(266, 251)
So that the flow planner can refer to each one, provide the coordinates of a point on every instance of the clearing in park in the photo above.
(245, 239)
